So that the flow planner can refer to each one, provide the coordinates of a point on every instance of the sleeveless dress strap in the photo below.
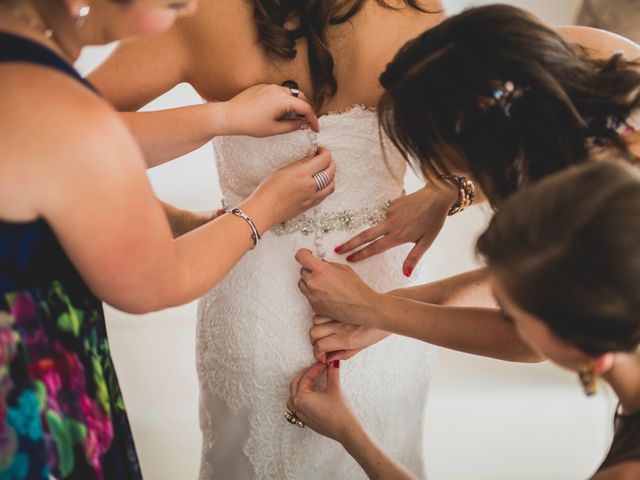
(14, 48)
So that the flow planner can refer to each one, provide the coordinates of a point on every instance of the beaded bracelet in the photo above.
(466, 192)
(255, 235)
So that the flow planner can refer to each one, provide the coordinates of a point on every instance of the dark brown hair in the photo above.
(568, 251)
(437, 84)
(312, 18)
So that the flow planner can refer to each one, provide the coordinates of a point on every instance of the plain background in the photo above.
(486, 419)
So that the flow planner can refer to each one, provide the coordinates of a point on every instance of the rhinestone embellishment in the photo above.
(346, 220)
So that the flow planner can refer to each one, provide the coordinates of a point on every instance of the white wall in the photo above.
(486, 419)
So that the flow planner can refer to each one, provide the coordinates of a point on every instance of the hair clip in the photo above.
(503, 97)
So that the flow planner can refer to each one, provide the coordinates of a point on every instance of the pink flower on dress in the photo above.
(99, 432)
(24, 308)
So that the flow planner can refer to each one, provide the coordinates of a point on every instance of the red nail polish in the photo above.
(338, 250)
(350, 258)
(336, 364)
(408, 271)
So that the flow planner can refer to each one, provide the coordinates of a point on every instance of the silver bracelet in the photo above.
(255, 235)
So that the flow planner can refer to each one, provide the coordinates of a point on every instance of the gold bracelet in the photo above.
(466, 192)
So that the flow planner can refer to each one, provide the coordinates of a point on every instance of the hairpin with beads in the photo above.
(502, 97)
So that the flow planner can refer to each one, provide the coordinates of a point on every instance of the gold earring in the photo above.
(588, 379)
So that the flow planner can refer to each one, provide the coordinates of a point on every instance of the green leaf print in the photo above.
(41, 394)
(71, 320)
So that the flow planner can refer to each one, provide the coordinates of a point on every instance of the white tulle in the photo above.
(252, 335)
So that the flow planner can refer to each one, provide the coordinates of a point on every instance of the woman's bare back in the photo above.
(361, 49)
(218, 52)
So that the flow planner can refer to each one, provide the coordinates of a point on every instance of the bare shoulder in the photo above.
(54, 132)
(141, 69)
(622, 471)
(601, 42)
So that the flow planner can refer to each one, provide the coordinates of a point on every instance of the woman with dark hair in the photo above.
(79, 224)
(252, 334)
(564, 262)
(495, 95)
(495, 98)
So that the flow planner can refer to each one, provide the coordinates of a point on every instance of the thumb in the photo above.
(333, 374)
(305, 258)
(310, 377)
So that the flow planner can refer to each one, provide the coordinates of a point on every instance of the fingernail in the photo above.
(336, 364)
(408, 271)
(350, 258)
(338, 249)
(304, 126)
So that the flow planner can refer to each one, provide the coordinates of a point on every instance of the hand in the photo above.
(415, 218)
(335, 290)
(333, 340)
(262, 111)
(326, 410)
(292, 190)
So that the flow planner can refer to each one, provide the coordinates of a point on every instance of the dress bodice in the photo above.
(368, 171)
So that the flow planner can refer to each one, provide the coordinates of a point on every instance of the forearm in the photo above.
(164, 135)
(479, 331)
(372, 458)
(184, 221)
(466, 289)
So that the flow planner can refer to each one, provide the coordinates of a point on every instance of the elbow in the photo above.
(524, 354)
(140, 304)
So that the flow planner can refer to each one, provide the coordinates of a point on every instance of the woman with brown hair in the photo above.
(79, 225)
(493, 99)
(252, 332)
(564, 263)
(495, 95)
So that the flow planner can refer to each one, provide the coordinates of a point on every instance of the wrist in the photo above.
(221, 121)
(376, 315)
(353, 436)
(446, 192)
(259, 213)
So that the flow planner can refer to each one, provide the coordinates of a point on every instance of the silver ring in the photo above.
(294, 91)
(322, 180)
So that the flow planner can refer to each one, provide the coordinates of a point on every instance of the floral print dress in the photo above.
(61, 411)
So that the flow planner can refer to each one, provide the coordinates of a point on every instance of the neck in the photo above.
(624, 378)
(37, 16)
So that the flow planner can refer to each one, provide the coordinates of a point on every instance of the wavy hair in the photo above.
(312, 18)
(439, 87)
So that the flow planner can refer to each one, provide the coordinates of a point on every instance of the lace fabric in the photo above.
(252, 335)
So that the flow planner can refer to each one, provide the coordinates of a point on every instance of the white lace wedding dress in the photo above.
(252, 335)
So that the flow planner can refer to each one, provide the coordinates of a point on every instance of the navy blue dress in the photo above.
(62, 414)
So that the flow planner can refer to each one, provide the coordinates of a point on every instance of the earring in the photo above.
(81, 15)
(588, 380)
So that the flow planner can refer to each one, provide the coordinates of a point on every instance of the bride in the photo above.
(253, 328)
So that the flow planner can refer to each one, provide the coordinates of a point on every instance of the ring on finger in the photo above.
(293, 419)
(322, 180)
(292, 86)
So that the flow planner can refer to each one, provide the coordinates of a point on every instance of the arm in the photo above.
(601, 43)
(104, 212)
(335, 291)
(465, 289)
(183, 221)
(154, 65)
(479, 331)
(326, 410)
(334, 340)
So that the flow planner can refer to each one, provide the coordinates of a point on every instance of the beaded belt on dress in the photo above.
(346, 220)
